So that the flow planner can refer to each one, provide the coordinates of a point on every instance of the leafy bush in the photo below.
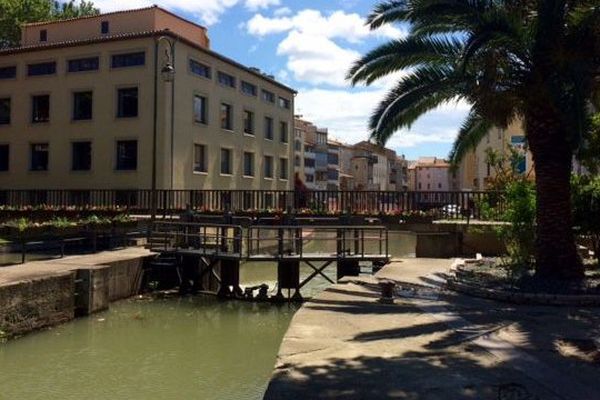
(586, 209)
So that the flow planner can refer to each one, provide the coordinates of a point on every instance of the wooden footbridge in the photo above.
(204, 252)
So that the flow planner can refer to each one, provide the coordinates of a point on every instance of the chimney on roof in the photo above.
(257, 70)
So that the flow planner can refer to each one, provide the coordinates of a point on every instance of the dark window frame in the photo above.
(4, 157)
(43, 35)
(81, 158)
(268, 96)
(284, 133)
(201, 167)
(203, 109)
(285, 103)
(249, 89)
(284, 166)
(41, 69)
(8, 72)
(104, 27)
(87, 112)
(268, 173)
(226, 79)
(85, 64)
(127, 60)
(249, 122)
(229, 164)
(251, 172)
(269, 130)
(124, 110)
(126, 162)
(200, 69)
(6, 119)
(37, 116)
(39, 159)
(226, 119)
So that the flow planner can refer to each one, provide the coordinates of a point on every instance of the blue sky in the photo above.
(309, 45)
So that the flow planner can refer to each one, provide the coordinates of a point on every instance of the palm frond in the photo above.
(421, 91)
(402, 54)
(472, 131)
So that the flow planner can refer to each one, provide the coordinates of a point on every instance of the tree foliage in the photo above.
(537, 61)
(14, 13)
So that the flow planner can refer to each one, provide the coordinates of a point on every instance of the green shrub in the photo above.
(519, 232)
(586, 209)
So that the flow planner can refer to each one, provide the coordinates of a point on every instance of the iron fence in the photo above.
(455, 204)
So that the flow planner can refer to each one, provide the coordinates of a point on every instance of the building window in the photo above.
(128, 60)
(248, 122)
(127, 103)
(268, 167)
(5, 111)
(226, 162)
(47, 68)
(81, 156)
(310, 163)
(200, 69)
(200, 164)
(226, 116)
(269, 128)
(489, 169)
(283, 168)
(4, 157)
(248, 88)
(428, 186)
(248, 164)
(283, 132)
(40, 110)
(82, 105)
(419, 185)
(104, 27)
(226, 79)
(43, 35)
(39, 157)
(297, 145)
(127, 155)
(84, 64)
(297, 161)
(267, 96)
(200, 109)
(8, 72)
(284, 103)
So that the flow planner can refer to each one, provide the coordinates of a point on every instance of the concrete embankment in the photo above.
(433, 344)
(46, 293)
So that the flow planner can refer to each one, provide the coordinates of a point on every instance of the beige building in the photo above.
(474, 171)
(378, 168)
(78, 109)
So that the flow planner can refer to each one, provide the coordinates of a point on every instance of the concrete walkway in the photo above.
(434, 345)
(40, 269)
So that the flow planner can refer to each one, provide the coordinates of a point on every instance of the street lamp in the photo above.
(167, 74)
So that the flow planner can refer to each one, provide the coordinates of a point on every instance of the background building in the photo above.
(432, 174)
(78, 109)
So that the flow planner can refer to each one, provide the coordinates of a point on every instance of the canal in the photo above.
(182, 348)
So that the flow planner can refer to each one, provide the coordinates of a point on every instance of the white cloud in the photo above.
(280, 12)
(311, 46)
(207, 11)
(346, 114)
(254, 5)
(338, 25)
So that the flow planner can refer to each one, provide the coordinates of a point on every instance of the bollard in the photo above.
(387, 292)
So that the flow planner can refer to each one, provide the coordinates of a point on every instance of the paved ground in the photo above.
(435, 345)
(38, 269)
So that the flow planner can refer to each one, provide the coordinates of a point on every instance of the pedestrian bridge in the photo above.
(198, 249)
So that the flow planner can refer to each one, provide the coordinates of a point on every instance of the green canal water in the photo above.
(179, 348)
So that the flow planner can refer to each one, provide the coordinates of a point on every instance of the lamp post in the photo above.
(167, 74)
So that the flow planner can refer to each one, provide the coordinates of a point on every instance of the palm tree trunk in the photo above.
(556, 253)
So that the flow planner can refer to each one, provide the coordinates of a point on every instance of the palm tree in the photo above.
(534, 60)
